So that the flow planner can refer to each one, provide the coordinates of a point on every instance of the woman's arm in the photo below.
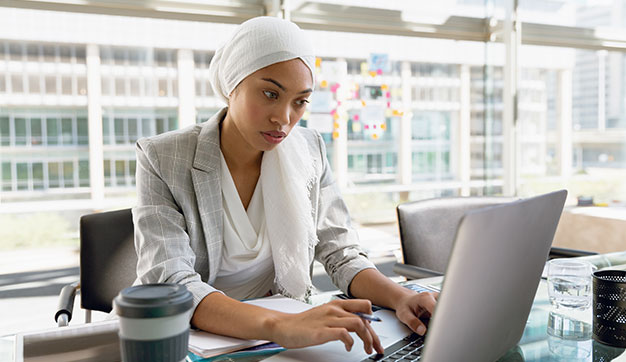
(217, 313)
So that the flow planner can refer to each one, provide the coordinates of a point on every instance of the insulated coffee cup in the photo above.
(154, 322)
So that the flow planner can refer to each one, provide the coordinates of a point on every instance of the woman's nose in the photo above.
(281, 115)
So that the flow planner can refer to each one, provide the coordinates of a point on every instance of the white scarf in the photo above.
(287, 175)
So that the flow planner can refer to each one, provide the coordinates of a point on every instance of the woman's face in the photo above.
(268, 103)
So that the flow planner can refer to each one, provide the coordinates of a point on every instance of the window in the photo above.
(83, 173)
(83, 131)
(38, 177)
(33, 84)
(66, 85)
(5, 131)
(7, 180)
(54, 175)
(22, 175)
(20, 131)
(17, 85)
(68, 174)
(51, 84)
(52, 131)
(36, 135)
(67, 133)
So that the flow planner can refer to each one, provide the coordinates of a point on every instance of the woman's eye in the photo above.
(270, 94)
(302, 102)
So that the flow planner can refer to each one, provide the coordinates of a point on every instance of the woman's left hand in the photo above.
(412, 307)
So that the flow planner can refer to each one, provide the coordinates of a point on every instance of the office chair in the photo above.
(428, 228)
(107, 264)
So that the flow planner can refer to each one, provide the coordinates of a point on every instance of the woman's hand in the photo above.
(327, 322)
(412, 307)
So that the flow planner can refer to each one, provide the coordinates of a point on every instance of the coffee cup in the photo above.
(154, 322)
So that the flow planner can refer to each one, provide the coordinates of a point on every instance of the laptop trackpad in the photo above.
(390, 330)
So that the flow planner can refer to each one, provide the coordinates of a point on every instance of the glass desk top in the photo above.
(550, 335)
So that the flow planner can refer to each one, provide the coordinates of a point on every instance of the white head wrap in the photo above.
(256, 44)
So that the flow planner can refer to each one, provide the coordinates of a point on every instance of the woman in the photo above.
(240, 206)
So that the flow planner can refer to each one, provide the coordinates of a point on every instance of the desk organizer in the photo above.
(609, 307)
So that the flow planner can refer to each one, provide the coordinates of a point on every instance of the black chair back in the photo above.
(107, 257)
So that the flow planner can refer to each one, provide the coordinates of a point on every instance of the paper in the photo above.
(207, 344)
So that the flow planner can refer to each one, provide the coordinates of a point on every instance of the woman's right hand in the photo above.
(325, 323)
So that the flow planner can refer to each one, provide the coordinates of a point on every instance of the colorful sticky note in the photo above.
(383, 126)
(356, 117)
(324, 84)
(374, 136)
(318, 62)
(335, 135)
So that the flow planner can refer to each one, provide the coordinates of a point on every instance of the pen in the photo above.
(369, 317)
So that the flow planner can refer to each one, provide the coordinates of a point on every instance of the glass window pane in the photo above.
(147, 127)
(132, 168)
(6, 176)
(119, 131)
(32, 52)
(106, 130)
(65, 53)
(83, 131)
(36, 138)
(172, 123)
(107, 173)
(160, 125)
(162, 87)
(106, 86)
(68, 174)
(83, 173)
(66, 85)
(51, 84)
(67, 134)
(120, 173)
(5, 135)
(134, 87)
(20, 131)
(81, 56)
(52, 131)
(22, 176)
(82, 85)
(49, 53)
(54, 175)
(132, 130)
(15, 51)
(38, 176)
(16, 83)
(33, 84)
(120, 87)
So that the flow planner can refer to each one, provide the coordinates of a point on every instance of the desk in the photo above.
(569, 340)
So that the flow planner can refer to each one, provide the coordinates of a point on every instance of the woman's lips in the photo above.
(274, 137)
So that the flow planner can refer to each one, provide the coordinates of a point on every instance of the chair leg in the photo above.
(87, 315)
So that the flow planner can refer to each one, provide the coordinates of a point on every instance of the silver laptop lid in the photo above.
(492, 278)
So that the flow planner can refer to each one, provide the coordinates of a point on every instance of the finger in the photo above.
(340, 334)
(359, 326)
(376, 341)
(356, 305)
(415, 324)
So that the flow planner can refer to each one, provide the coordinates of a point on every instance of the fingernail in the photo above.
(421, 330)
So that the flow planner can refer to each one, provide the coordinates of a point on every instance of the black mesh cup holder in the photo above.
(609, 307)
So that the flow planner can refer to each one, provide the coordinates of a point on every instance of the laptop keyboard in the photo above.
(407, 349)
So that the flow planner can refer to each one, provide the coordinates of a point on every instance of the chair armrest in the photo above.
(66, 304)
(414, 272)
(556, 252)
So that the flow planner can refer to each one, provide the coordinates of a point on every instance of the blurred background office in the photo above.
(414, 100)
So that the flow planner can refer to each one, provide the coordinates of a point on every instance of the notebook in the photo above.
(488, 291)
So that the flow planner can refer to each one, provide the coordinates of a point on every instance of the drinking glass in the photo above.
(569, 283)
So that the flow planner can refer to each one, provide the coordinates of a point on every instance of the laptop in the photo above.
(490, 284)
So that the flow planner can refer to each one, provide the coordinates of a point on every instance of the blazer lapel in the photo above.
(206, 176)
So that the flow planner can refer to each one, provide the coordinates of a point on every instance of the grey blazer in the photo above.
(178, 218)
